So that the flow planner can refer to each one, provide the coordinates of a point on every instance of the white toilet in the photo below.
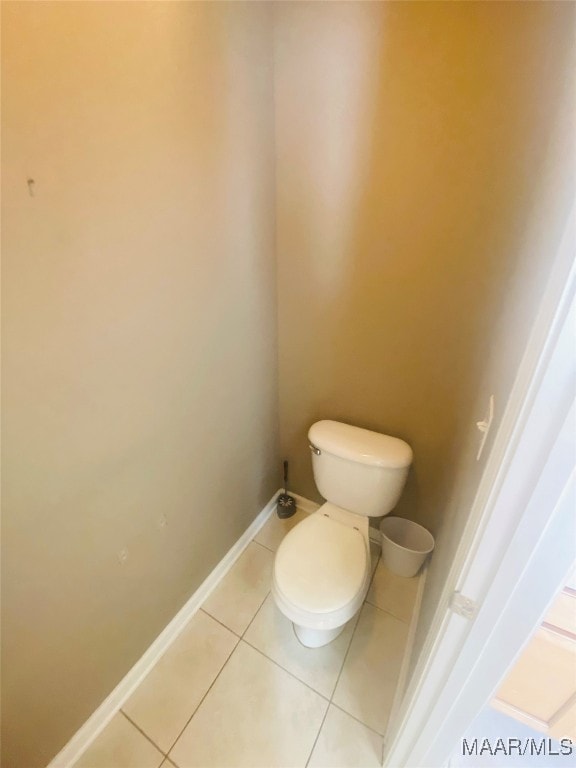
(322, 567)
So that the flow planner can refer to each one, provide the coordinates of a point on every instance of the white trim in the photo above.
(96, 723)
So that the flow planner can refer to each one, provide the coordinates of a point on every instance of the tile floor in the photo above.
(238, 689)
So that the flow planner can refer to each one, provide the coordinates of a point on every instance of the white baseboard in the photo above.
(82, 739)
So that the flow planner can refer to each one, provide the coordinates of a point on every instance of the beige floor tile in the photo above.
(255, 714)
(368, 680)
(345, 743)
(272, 533)
(393, 593)
(167, 698)
(167, 764)
(236, 599)
(273, 634)
(120, 745)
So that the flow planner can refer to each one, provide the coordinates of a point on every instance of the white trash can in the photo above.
(405, 545)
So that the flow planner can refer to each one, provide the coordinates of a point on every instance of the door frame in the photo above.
(513, 557)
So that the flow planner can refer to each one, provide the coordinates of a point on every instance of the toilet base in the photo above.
(316, 638)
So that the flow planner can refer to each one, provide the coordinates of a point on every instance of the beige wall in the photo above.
(412, 142)
(426, 163)
(139, 333)
(423, 171)
(548, 138)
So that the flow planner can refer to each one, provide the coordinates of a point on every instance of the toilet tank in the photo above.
(356, 469)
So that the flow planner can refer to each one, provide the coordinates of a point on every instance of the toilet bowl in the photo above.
(322, 573)
(322, 567)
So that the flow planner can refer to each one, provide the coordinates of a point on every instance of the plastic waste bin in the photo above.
(405, 545)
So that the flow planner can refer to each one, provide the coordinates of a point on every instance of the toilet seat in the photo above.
(321, 566)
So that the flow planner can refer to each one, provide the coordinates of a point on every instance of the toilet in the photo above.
(322, 567)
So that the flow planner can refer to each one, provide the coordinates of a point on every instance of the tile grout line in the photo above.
(265, 547)
(220, 622)
(148, 738)
(405, 621)
(331, 704)
(253, 541)
(346, 655)
(330, 701)
(201, 702)
(255, 614)
(389, 613)
(368, 727)
(241, 638)
(167, 754)
(317, 735)
(257, 609)
(291, 674)
(352, 636)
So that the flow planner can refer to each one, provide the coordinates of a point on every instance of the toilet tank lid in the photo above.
(361, 445)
